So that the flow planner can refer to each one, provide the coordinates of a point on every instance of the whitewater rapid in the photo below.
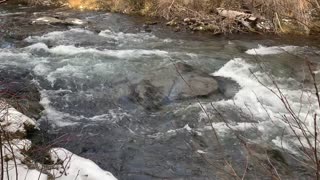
(85, 77)
(74, 56)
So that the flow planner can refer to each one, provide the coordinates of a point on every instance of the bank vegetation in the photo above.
(280, 16)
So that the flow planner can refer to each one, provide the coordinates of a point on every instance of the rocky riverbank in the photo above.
(19, 109)
(16, 162)
(187, 84)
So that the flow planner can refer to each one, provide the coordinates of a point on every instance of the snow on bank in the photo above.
(13, 121)
(16, 169)
(66, 166)
(263, 50)
(77, 167)
(14, 124)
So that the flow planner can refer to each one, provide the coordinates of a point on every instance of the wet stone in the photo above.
(181, 82)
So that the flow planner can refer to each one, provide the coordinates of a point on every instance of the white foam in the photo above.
(73, 35)
(57, 35)
(252, 93)
(62, 119)
(255, 99)
(120, 36)
(201, 152)
(37, 46)
(170, 133)
(12, 14)
(65, 71)
(13, 54)
(283, 144)
(56, 117)
(71, 50)
(113, 115)
(42, 69)
(224, 129)
(263, 50)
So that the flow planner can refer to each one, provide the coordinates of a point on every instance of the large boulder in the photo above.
(177, 83)
(191, 83)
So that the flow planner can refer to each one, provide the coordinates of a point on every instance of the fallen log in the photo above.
(236, 14)
(246, 19)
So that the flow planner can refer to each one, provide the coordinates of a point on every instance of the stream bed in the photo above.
(87, 74)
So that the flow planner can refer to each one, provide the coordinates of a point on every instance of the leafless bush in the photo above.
(16, 150)
(302, 131)
(286, 15)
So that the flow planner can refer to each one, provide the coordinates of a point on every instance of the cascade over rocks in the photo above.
(180, 82)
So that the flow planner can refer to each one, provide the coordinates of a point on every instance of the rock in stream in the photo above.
(180, 82)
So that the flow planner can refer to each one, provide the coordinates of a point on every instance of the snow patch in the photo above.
(78, 168)
(68, 166)
(12, 120)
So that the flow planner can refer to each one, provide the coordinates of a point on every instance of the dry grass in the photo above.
(298, 12)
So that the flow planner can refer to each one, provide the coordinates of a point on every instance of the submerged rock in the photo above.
(192, 83)
(147, 95)
(180, 82)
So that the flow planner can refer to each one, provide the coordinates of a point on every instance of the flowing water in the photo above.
(85, 74)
